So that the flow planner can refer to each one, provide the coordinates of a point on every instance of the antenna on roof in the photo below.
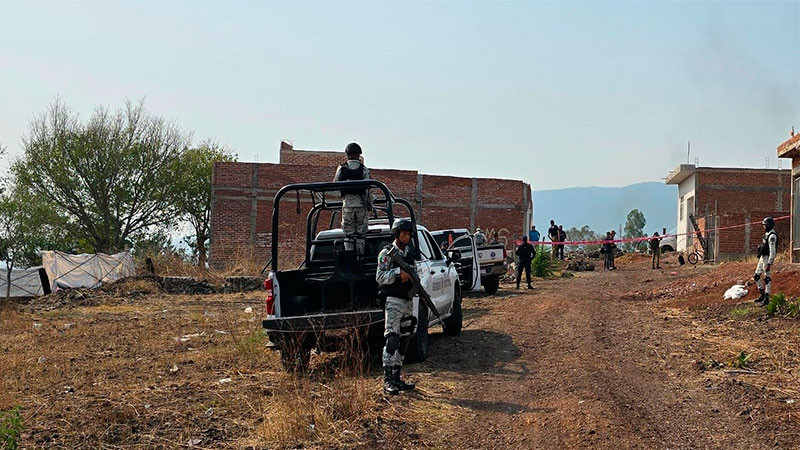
(688, 150)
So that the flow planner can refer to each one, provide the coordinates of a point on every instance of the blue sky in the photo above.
(558, 94)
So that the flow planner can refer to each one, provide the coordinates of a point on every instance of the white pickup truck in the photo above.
(479, 265)
(334, 294)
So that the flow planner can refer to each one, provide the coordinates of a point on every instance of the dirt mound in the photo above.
(707, 286)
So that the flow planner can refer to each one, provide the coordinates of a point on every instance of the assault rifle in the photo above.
(394, 255)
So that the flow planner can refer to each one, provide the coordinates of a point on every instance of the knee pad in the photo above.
(392, 343)
(757, 277)
(404, 345)
(767, 279)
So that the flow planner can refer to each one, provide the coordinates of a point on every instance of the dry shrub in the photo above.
(302, 411)
(243, 263)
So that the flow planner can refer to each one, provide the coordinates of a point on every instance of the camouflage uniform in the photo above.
(399, 315)
(768, 250)
(355, 222)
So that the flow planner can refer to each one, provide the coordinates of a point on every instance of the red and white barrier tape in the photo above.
(647, 238)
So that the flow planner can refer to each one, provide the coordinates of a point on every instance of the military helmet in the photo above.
(402, 225)
(352, 149)
(768, 223)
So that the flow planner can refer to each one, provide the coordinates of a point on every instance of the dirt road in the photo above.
(582, 363)
(629, 359)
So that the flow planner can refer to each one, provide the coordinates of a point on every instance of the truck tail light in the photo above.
(270, 303)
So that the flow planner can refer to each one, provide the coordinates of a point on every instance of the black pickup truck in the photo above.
(333, 294)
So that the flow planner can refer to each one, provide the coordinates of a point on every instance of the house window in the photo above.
(680, 210)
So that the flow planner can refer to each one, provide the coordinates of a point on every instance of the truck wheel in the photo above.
(453, 323)
(491, 284)
(295, 354)
(418, 347)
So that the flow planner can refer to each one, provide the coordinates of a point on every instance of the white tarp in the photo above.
(85, 270)
(24, 282)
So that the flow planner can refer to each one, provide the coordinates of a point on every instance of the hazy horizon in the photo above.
(555, 94)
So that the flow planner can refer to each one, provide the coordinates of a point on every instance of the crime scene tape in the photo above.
(647, 238)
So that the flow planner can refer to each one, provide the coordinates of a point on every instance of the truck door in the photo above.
(428, 274)
(443, 280)
(470, 267)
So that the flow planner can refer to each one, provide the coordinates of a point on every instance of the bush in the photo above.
(10, 428)
(542, 265)
(778, 304)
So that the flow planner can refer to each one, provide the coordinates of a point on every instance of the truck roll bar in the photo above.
(313, 215)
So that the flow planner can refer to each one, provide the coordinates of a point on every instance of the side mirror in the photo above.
(453, 255)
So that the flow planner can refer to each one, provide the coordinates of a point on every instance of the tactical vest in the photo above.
(398, 288)
(348, 174)
(763, 249)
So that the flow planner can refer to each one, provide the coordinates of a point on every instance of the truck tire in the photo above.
(295, 354)
(453, 323)
(418, 347)
(491, 284)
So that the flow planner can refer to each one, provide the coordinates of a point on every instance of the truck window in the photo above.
(424, 247)
(437, 253)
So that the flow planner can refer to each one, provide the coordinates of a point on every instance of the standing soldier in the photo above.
(607, 250)
(654, 243)
(355, 202)
(552, 233)
(766, 257)
(525, 253)
(395, 288)
(611, 262)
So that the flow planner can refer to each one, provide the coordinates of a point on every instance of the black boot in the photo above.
(400, 384)
(389, 385)
(762, 300)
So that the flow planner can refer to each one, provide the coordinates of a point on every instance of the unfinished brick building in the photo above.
(725, 197)
(242, 193)
(791, 149)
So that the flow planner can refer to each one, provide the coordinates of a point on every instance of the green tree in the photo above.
(193, 201)
(634, 228)
(112, 174)
(583, 234)
(28, 225)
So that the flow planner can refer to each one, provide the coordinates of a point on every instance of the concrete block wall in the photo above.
(242, 194)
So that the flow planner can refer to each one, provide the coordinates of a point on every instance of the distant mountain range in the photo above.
(604, 208)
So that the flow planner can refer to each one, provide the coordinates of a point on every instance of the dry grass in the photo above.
(244, 263)
(164, 371)
(305, 412)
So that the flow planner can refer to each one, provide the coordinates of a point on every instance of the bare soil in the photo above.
(634, 358)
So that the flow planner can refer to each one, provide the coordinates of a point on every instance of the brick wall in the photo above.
(327, 158)
(740, 196)
(242, 194)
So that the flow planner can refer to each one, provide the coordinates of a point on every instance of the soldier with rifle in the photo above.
(399, 284)
(766, 258)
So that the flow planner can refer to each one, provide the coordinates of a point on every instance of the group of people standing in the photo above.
(608, 249)
(555, 233)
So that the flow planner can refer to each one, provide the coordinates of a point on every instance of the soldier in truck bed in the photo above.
(355, 202)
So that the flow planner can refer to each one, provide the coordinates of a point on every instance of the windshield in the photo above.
(450, 237)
